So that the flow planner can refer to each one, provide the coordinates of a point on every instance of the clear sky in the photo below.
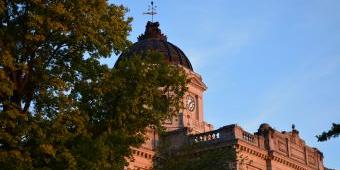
(263, 61)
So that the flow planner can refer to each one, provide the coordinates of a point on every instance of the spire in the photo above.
(152, 31)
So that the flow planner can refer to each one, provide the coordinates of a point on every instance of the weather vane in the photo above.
(151, 11)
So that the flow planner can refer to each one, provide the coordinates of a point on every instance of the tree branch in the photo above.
(332, 133)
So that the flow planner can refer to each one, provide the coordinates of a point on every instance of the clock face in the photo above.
(190, 103)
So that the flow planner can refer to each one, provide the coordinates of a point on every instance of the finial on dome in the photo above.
(293, 126)
(152, 31)
(151, 11)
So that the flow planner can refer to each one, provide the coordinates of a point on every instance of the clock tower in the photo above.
(191, 116)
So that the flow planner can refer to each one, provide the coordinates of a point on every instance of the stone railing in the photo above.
(248, 137)
(205, 137)
(225, 133)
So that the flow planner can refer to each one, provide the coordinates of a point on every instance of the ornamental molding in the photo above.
(193, 80)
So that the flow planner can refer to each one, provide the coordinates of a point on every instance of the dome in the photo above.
(154, 40)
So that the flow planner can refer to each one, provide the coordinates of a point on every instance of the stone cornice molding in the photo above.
(253, 151)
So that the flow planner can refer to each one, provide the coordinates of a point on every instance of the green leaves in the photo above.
(195, 156)
(332, 133)
(62, 110)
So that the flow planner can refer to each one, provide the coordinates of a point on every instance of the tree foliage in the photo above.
(62, 109)
(333, 132)
(195, 156)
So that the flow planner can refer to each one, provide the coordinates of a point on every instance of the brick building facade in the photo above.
(267, 149)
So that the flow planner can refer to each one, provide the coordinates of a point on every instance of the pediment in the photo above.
(193, 80)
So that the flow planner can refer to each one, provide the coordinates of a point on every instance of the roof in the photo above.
(154, 40)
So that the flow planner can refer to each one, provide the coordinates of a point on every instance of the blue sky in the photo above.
(263, 61)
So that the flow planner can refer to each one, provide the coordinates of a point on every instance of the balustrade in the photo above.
(225, 133)
(248, 137)
(204, 137)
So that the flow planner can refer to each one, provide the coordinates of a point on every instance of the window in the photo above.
(197, 108)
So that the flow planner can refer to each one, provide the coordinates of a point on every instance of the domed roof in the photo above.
(154, 40)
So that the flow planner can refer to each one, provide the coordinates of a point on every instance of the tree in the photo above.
(59, 107)
(203, 156)
(333, 132)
